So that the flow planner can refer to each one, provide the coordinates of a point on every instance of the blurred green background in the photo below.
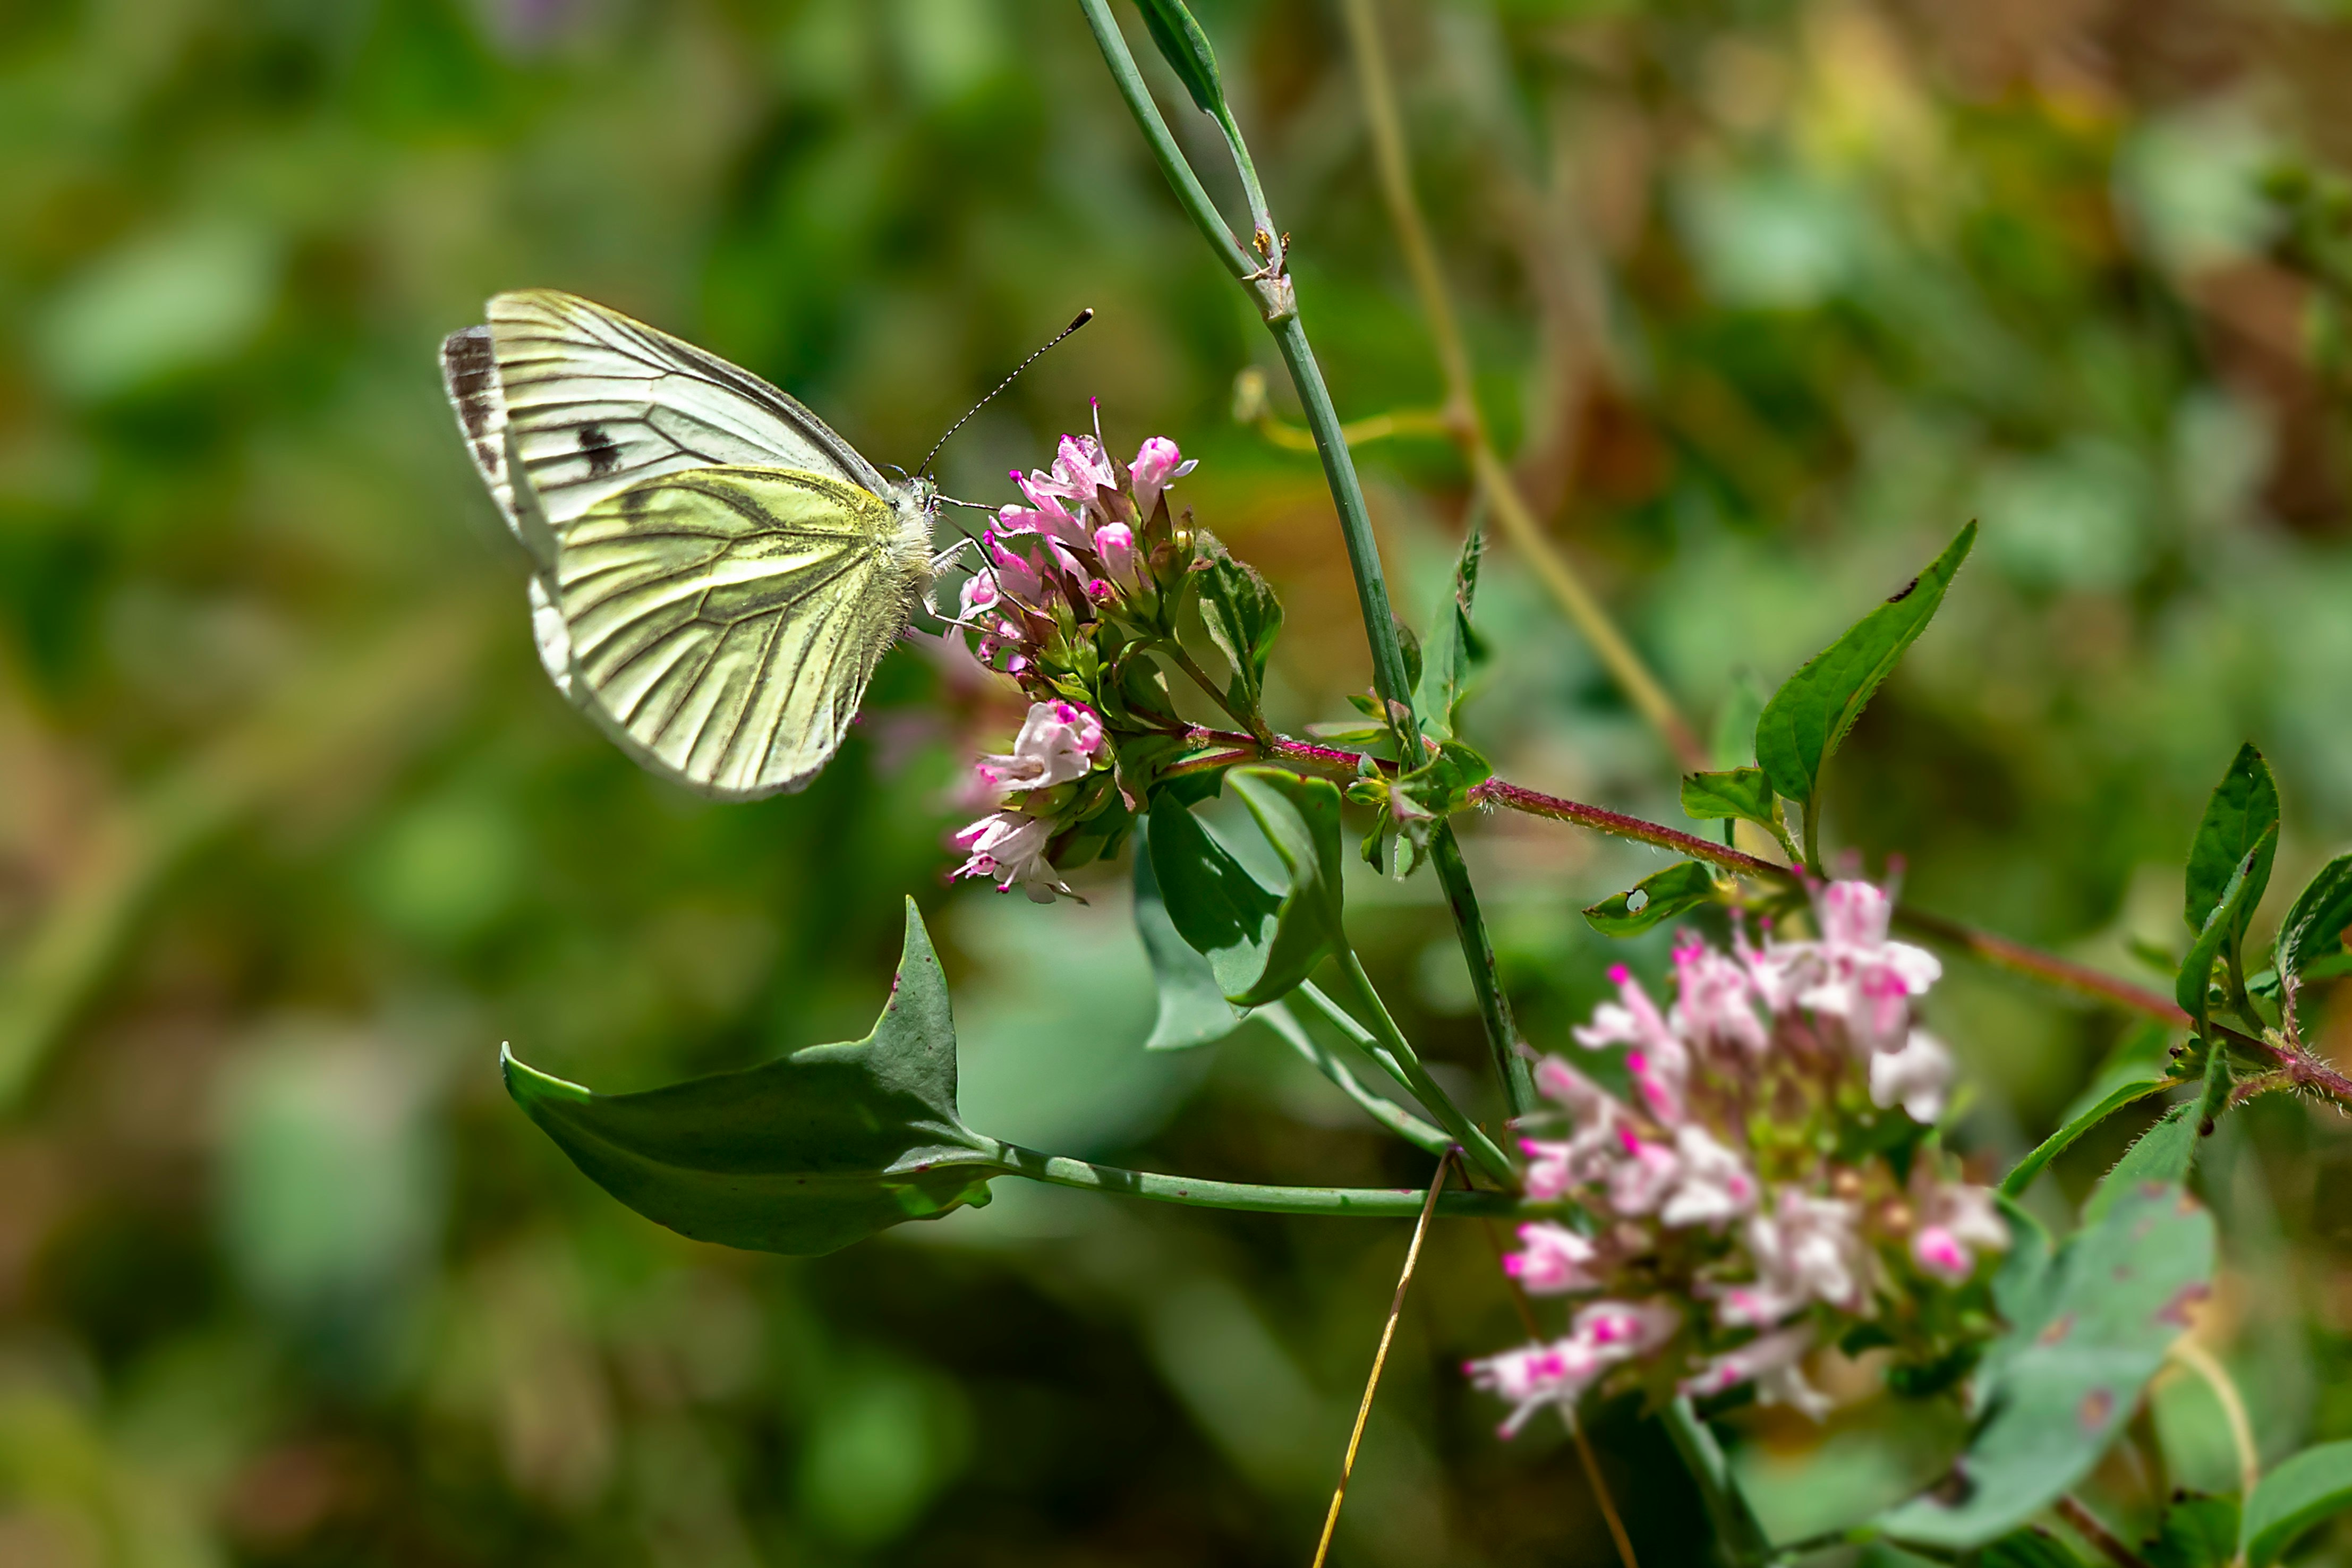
(1766, 298)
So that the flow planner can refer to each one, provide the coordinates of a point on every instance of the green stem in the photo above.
(1363, 1203)
(1190, 193)
(1324, 1060)
(1490, 1160)
(1478, 953)
(1743, 1540)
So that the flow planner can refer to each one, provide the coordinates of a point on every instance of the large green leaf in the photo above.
(804, 1154)
(2311, 937)
(2196, 1532)
(1660, 896)
(1260, 941)
(2226, 921)
(2243, 808)
(1192, 1006)
(2088, 1328)
(1804, 724)
(2300, 1493)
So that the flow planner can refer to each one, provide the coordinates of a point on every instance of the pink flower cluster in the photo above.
(1075, 546)
(1056, 746)
(1724, 1244)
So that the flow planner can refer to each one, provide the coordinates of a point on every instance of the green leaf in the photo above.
(2227, 921)
(1660, 896)
(2033, 1547)
(1408, 648)
(1804, 724)
(2161, 1154)
(2086, 1331)
(2058, 1143)
(1243, 617)
(2197, 1531)
(1186, 50)
(1733, 744)
(2243, 807)
(1453, 650)
(1192, 1006)
(1260, 941)
(2311, 938)
(2293, 1498)
(1742, 793)
(803, 1154)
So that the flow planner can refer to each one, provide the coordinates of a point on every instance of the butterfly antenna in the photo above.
(1082, 317)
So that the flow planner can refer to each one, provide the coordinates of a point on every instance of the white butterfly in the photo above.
(717, 572)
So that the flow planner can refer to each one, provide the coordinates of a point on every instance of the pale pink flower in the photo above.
(1623, 1330)
(1714, 1185)
(1008, 848)
(1157, 464)
(1115, 546)
(1956, 1222)
(1553, 1261)
(1056, 744)
(1854, 974)
(979, 594)
(1639, 1182)
(1772, 1362)
(1715, 999)
(1914, 1077)
(1537, 1375)
(1013, 572)
(1807, 1248)
(1659, 1061)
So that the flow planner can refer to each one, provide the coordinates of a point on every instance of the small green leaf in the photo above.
(2086, 1331)
(2293, 1498)
(2311, 938)
(803, 1154)
(1192, 1006)
(1804, 724)
(1660, 896)
(2033, 1547)
(1260, 941)
(1243, 616)
(2197, 1531)
(2243, 807)
(2227, 921)
(2128, 1093)
(1408, 647)
(1742, 793)
(1453, 651)
(1733, 744)
(1186, 50)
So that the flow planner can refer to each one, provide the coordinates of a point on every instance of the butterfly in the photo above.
(716, 572)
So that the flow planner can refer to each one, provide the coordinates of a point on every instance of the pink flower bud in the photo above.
(1115, 543)
(1157, 464)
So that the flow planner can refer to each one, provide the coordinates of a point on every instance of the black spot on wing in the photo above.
(469, 368)
(603, 454)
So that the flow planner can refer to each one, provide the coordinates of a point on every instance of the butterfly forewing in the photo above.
(725, 621)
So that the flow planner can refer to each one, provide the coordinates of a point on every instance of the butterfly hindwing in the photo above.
(724, 622)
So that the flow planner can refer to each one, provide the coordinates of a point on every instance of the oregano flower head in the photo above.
(1768, 1184)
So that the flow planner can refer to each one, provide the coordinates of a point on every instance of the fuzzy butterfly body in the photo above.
(716, 572)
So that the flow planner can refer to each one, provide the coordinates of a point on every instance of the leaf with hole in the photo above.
(1804, 724)
(1260, 941)
(1660, 896)
(803, 1154)
(2088, 1330)
(1192, 1006)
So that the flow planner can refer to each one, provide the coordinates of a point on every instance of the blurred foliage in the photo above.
(1768, 298)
